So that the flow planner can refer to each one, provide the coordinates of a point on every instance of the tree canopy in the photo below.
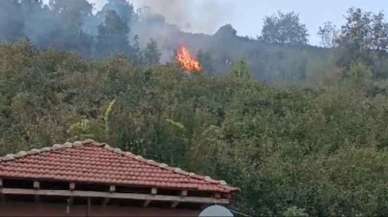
(364, 39)
(318, 151)
(328, 34)
(284, 28)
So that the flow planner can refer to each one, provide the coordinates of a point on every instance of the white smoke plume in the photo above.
(199, 16)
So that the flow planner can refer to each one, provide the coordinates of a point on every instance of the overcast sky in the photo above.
(247, 15)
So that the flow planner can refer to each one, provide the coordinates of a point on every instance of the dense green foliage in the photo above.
(318, 151)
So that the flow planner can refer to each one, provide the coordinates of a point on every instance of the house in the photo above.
(93, 179)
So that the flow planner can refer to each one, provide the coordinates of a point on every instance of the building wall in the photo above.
(55, 210)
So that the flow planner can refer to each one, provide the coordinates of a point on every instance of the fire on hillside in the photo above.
(187, 61)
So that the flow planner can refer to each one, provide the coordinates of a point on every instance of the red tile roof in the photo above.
(92, 162)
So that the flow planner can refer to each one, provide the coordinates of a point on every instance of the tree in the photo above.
(151, 53)
(11, 20)
(71, 12)
(122, 7)
(241, 70)
(112, 38)
(206, 60)
(284, 28)
(364, 31)
(136, 55)
(226, 31)
(35, 13)
(328, 34)
(69, 16)
(364, 38)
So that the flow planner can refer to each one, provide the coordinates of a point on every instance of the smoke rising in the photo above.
(192, 16)
(115, 27)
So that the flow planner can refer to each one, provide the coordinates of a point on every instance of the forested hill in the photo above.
(280, 53)
(318, 148)
(268, 62)
(295, 151)
(146, 39)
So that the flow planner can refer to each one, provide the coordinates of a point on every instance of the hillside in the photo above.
(120, 30)
(323, 150)
(302, 130)
(268, 62)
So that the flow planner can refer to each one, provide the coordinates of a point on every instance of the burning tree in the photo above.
(187, 61)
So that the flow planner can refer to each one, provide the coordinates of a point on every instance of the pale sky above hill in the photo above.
(247, 15)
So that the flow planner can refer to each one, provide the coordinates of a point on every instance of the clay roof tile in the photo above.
(90, 161)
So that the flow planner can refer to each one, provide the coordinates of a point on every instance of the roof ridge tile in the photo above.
(165, 166)
(76, 144)
(34, 151)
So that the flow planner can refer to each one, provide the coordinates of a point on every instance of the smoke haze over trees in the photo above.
(281, 53)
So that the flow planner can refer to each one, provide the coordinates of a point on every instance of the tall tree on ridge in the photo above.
(284, 28)
(69, 34)
(328, 34)
(112, 36)
(363, 39)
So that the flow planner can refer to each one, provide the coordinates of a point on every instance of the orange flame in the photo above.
(187, 61)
